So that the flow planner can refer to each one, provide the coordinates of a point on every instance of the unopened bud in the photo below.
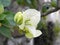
(18, 18)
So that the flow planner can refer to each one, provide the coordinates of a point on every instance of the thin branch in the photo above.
(51, 11)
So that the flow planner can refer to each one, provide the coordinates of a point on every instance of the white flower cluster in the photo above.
(27, 21)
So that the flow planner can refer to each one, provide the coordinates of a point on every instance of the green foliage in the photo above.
(54, 3)
(46, 7)
(2, 16)
(7, 22)
(20, 2)
(30, 3)
(10, 17)
(41, 24)
(34, 3)
(56, 29)
(7, 17)
(5, 2)
(5, 31)
(1, 8)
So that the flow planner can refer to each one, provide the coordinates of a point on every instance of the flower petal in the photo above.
(21, 26)
(33, 15)
(38, 33)
(29, 35)
(33, 31)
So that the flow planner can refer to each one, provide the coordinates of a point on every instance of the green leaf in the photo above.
(21, 2)
(54, 3)
(34, 3)
(42, 24)
(46, 7)
(56, 28)
(5, 2)
(10, 18)
(1, 8)
(2, 16)
(6, 23)
(5, 31)
(30, 3)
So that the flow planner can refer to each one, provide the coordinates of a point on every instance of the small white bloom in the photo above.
(31, 18)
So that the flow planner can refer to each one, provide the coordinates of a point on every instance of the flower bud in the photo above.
(18, 18)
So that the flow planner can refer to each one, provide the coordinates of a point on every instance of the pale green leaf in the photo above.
(5, 31)
(5, 2)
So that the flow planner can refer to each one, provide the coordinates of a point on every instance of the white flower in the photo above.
(31, 18)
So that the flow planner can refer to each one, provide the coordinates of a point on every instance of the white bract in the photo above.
(31, 18)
